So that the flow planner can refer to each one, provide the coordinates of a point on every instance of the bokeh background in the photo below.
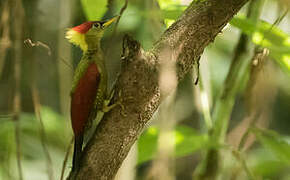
(37, 64)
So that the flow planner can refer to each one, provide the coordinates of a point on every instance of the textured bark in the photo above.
(185, 41)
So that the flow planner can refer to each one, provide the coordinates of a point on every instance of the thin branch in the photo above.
(119, 17)
(18, 24)
(68, 151)
(110, 6)
(163, 166)
(205, 107)
(37, 106)
(18, 139)
(117, 22)
(38, 44)
(258, 62)
(239, 156)
(277, 21)
(37, 110)
(253, 99)
(68, 65)
(5, 41)
(225, 102)
(30, 43)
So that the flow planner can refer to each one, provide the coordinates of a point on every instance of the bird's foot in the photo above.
(120, 103)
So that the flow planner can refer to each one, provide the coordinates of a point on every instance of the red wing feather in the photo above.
(83, 98)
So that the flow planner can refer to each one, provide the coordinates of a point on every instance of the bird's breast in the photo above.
(83, 98)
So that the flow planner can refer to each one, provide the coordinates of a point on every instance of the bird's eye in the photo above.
(97, 25)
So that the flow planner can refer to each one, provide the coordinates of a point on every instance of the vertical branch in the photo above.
(238, 70)
(37, 106)
(37, 109)
(17, 109)
(119, 17)
(163, 167)
(256, 104)
(223, 108)
(139, 78)
(5, 44)
(5, 41)
(252, 94)
(257, 101)
(65, 76)
(204, 94)
(254, 100)
(127, 170)
(68, 151)
(18, 25)
(110, 4)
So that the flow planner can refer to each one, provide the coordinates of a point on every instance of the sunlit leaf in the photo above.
(171, 10)
(267, 35)
(94, 9)
(186, 141)
(164, 4)
(171, 14)
(262, 33)
(275, 143)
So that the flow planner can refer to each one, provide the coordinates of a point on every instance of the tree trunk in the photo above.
(185, 41)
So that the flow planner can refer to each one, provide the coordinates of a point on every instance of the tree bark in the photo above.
(184, 42)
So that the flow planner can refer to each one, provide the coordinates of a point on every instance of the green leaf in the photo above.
(264, 163)
(94, 9)
(54, 125)
(266, 35)
(272, 34)
(275, 143)
(7, 142)
(186, 141)
(171, 10)
(164, 4)
(171, 14)
(147, 144)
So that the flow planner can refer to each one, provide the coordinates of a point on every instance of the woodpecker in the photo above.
(89, 87)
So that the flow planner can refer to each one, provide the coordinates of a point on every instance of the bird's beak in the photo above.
(110, 21)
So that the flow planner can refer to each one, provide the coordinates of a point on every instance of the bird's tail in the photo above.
(77, 152)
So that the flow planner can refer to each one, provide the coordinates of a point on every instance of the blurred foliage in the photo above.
(264, 34)
(186, 141)
(32, 152)
(92, 11)
(269, 36)
(264, 163)
(277, 144)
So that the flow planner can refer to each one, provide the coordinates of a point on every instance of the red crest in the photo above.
(83, 28)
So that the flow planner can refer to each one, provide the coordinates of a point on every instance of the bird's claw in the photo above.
(120, 103)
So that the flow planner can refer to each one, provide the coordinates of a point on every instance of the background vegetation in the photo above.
(242, 99)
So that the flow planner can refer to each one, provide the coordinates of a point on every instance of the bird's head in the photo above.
(88, 33)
